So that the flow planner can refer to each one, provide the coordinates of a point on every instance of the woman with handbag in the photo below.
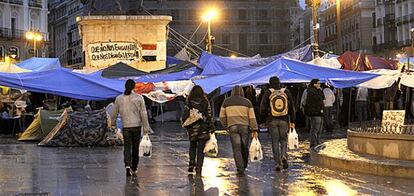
(197, 119)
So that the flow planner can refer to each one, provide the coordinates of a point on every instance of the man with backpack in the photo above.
(314, 110)
(277, 107)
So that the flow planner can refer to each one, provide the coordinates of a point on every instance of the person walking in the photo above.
(328, 106)
(237, 114)
(277, 106)
(362, 104)
(131, 108)
(314, 110)
(199, 131)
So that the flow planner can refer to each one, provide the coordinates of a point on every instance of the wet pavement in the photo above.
(27, 168)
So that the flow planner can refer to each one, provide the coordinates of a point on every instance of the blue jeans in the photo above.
(362, 110)
(239, 136)
(316, 123)
(278, 130)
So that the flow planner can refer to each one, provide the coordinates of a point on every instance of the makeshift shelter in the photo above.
(183, 65)
(40, 64)
(120, 70)
(217, 65)
(64, 82)
(43, 123)
(289, 71)
(83, 129)
(327, 62)
(173, 60)
(360, 62)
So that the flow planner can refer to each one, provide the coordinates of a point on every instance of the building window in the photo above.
(225, 38)
(13, 51)
(263, 38)
(242, 15)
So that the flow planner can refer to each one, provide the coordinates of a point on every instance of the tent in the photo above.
(184, 65)
(327, 62)
(173, 60)
(11, 68)
(119, 70)
(216, 65)
(43, 123)
(64, 82)
(83, 129)
(40, 64)
(176, 76)
(289, 71)
(360, 62)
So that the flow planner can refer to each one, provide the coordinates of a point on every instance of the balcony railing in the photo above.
(74, 61)
(6, 1)
(74, 43)
(12, 33)
(20, 2)
(35, 4)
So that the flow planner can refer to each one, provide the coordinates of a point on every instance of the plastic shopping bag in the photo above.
(293, 140)
(255, 150)
(211, 148)
(145, 147)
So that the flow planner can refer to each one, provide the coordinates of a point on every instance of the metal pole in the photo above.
(208, 47)
(34, 48)
(338, 27)
(315, 29)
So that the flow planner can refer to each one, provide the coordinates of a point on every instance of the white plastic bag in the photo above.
(255, 150)
(211, 148)
(145, 147)
(293, 139)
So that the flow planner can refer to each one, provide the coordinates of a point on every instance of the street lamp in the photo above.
(208, 17)
(35, 36)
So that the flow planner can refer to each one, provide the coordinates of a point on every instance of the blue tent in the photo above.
(64, 82)
(161, 77)
(40, 64)
(173, 61)
(289, 71)
(216, 65)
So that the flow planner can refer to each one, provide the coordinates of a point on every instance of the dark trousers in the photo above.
(327, 111)
(132, 137)
(316, 123)
(239, 136)
(278, 130)
(197, 152)
(362, 110)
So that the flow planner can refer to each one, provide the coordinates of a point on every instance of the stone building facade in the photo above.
(356, 27)
(16, 18)
(248, 27)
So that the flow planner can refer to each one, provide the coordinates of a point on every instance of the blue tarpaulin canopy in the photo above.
(64, 82)
(40, 64)
(289, 71)
(173, 61)
(217, 65)
(161, 77)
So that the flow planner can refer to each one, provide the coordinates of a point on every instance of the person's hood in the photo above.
(237, 91)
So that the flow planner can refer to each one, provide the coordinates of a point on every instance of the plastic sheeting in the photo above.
(360, 62)
(330, 62)
(64, 82)
(288, 71)
(40, 64)
(386, 79)
(216, 65)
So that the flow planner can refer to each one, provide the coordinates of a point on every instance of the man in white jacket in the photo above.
(131, 107)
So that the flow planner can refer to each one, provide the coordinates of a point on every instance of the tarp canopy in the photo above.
(43, 123)
(360, 62)
(11, 68)
(40, 64)
(327, 62)
(183, 65)
(119, 70)
(173, 61)
(216, 65)
(289, 71)
(64, 82)
(161, 77)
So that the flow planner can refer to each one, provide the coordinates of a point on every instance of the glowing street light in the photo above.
(210, 15)
(35, 36)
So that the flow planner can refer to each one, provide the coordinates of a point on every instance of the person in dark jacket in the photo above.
(278, 125)
(198, 132)
(237, 114)
(314, 110)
